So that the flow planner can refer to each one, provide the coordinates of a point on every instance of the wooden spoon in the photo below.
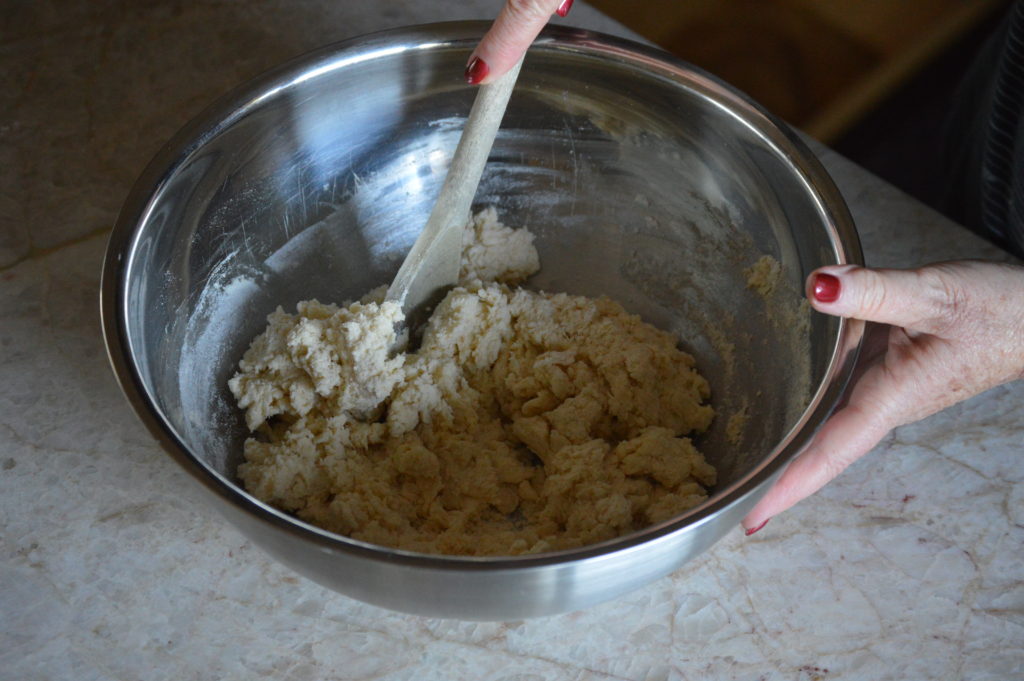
(432, 266)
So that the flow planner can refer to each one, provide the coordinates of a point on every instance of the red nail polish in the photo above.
(564, 8)
(752, 530)
(476, 71)
(826, 288)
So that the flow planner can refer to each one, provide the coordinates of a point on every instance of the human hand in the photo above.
(507, 40)
(945, 333)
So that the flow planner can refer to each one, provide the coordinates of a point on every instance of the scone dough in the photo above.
(526, 422)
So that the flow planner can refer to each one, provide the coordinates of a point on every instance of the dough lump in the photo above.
(526, 422)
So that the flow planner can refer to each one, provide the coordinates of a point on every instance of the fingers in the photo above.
(873, 407)
(513, 31)
(927, 300)
(954, 330)
(847, 436)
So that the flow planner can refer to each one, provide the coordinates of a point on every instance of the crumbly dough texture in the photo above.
(764, 275)
(526, 422)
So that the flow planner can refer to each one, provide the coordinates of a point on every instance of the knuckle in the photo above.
(530, 9)
(948, 303)
(874, 294)
(833, 467)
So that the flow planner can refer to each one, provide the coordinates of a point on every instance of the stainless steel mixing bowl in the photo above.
(643, 178)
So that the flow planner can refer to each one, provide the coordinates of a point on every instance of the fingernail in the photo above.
(476, 71)
(752, 530)
(826, 288)
(564, 8)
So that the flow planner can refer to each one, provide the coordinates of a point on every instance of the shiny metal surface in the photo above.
(643, 178)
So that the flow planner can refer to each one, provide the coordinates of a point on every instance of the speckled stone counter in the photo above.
(909, 566)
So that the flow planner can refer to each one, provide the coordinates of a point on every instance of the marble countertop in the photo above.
(906, 567)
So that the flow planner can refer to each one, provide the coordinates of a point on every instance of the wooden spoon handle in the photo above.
(433, 262)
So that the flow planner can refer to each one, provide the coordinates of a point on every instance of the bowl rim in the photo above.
(464, 34)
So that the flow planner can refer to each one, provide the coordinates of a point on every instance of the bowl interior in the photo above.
(642, 182)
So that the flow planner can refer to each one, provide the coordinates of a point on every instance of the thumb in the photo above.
(513, 31)
(927, 300)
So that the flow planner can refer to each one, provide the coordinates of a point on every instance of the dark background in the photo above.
(873, 79)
